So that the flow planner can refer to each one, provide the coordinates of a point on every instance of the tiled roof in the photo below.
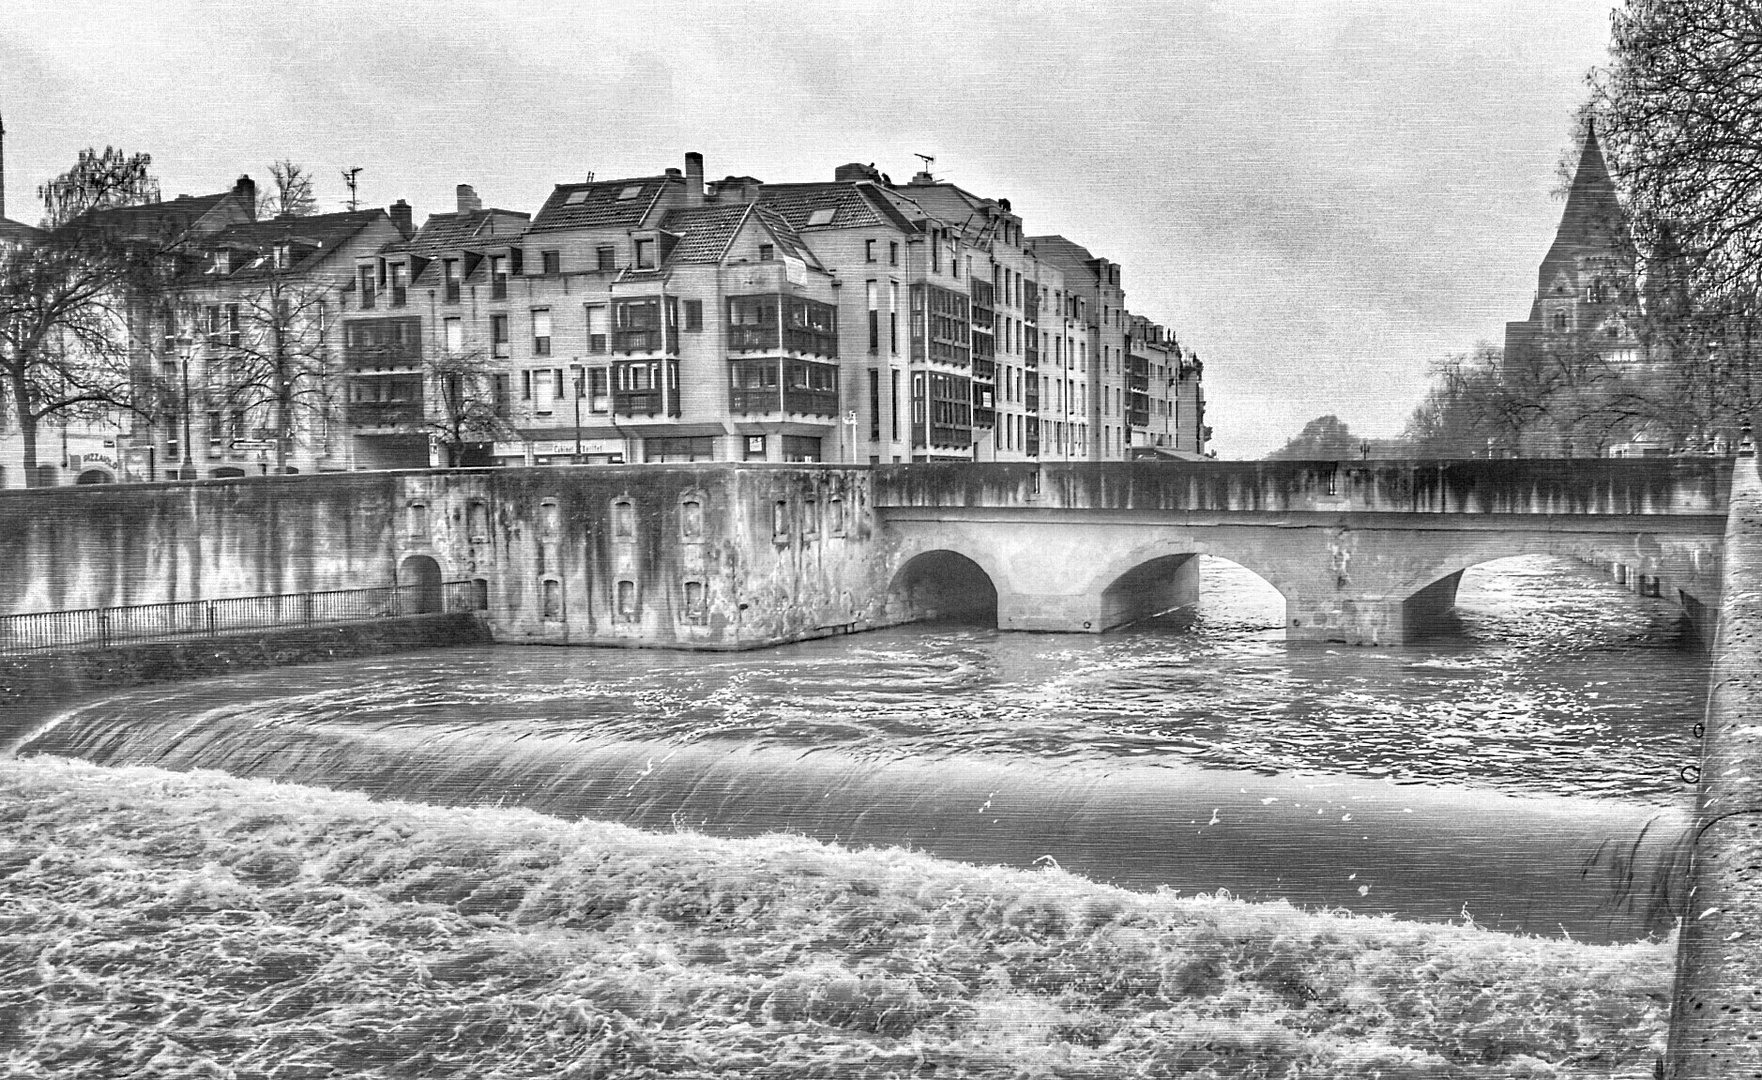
(172, 217)
(314, 234)
(704, 232)
(797, 203)
(597, 204)
(17, 232)
(1065, 253)
(787, 238)
(449, 232)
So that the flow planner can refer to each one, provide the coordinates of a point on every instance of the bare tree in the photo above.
(1679, 109)
(65, 331)
(269, 370)
(466, 407)
(289, 192)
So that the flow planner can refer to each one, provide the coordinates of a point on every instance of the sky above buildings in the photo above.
(1321, 197)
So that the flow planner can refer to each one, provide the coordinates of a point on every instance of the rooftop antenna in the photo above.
(349, 179)
(929, 165)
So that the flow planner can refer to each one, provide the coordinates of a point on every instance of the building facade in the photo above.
(653, 319)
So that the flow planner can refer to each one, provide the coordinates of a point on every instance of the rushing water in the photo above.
(1555, 695)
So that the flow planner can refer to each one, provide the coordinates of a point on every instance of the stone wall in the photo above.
(682, 556)
(1716, 1016)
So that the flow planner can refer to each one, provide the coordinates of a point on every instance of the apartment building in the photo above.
(242, 355)
(651, 319)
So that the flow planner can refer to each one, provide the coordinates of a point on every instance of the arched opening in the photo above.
(94, 476)
(942, 585)
(1151, 588)
(1553, 601)
(419, 586)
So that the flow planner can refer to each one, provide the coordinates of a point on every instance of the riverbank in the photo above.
(162, 924)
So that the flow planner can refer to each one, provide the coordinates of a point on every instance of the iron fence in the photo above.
(97, 627)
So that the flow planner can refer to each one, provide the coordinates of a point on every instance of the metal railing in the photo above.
(99, 627)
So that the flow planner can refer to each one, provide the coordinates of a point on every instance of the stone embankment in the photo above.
(1716, 1021)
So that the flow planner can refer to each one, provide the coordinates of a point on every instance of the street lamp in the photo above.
(580, 388)
(185, 346)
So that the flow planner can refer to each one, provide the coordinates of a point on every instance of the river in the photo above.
(1486, 769)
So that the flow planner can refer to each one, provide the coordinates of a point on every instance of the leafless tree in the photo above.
(65, 331)
(1679, 111)
(289, 191)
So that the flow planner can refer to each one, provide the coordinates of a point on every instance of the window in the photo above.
(455, 335)
(366, 287)
(480, 594)
(544, 390)
(874, 405)
(893, 252)
(779, 519)
(477, 521)
(498, 336)
(450, 280)
(552, 261)
(623, 520)
(695, 607)
(895, 411)
(823, 216)
(801, 448)
(541, 332)
(400, 284)
(755, 448)
(691, 519)
(605, 258)
(645, 254)
(893, 319)
(765, 252)
(596, 328)
(694, 314)
(578, 196)
(553, 599)
(868, 251)
(679, 448)
(598, 395)
(498, 277)
(630, 192)
(874, 319)
(629, 607)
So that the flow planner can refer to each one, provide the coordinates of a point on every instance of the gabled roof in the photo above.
(854, 204)
(309, 237)
(600, 203)
(704, 232)
(17, 232)
(1066, 254)
(167, 220)
(450, 232)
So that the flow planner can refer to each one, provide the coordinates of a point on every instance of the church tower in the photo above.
(1585, 285)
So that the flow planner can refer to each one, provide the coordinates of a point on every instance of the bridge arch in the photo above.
(1147, 579)
(941, 583)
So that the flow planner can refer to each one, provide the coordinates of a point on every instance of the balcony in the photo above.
(985, 370)
(636, 341)
(385, 414)
(752, 339)
(1139, 384)
(803, 339)
(1031, 399)
(640, 403)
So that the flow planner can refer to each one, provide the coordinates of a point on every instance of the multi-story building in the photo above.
(656, 318)
(245, 361)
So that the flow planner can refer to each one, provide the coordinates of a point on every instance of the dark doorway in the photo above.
(419, 586)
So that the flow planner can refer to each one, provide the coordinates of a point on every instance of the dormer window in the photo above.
(279, 256)
(823, 216)
(220, 263)
(645, 254)
(498, 277)
(630, 192)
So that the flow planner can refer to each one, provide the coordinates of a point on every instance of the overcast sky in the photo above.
(1320, 197)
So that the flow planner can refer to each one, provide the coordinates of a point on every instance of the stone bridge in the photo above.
(1363, 552)
(737, 556)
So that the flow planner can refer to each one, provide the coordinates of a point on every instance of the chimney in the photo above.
(855, 170)
(403, 218)
(469, 203)
(246, 189)
(694, 179)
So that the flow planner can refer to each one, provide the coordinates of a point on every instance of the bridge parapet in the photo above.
(1556, 486)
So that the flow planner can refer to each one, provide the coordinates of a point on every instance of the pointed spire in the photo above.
(1592, 208)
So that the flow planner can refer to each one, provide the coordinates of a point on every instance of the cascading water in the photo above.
(1525, 768)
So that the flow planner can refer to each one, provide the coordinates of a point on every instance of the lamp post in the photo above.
(185, 346)
(580, 379)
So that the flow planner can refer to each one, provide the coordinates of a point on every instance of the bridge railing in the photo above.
(38, 631)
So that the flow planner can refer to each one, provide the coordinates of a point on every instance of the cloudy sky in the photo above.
(1320, 196)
